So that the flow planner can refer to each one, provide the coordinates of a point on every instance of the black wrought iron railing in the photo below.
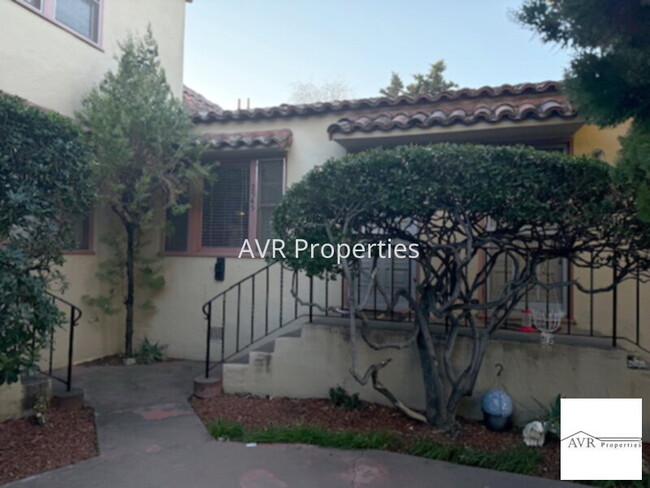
(257, 306)
(262, 303)
(72, 316)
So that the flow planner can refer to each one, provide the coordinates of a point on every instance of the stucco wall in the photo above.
(178, 321)
(48, 66)
(306, 367)
(51, 67)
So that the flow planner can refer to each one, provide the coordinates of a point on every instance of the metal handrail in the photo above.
(634, 334)
(74, 316)
(284, 318)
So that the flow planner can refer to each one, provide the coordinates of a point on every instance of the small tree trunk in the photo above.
(130, 289)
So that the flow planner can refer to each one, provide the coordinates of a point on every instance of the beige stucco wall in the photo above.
(306, 367)
(48, 66)
(178, 320)
(51, 67)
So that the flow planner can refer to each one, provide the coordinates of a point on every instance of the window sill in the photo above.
(96, 45)
(79, 252)
(210, 253)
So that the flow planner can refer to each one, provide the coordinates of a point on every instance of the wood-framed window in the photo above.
(83, 18)
(237, 205)
(82, 234)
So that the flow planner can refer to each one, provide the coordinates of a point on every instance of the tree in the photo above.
(465, 208)
(145, 157)
(325, 92)
(432, 82)
(45, 169)
(608, 79)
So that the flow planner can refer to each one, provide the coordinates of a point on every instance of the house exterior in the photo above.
(264, 150)
(57, 50)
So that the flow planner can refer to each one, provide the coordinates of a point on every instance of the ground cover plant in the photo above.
(320, 422)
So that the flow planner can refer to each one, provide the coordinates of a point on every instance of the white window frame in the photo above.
(47, 10)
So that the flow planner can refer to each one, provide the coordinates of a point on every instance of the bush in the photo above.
(341, 398)
(45, 180)
(150, 353)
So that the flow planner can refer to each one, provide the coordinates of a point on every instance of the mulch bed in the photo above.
(256, 413)
(26, 449)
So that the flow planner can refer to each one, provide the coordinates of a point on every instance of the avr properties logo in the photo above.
(601, 439)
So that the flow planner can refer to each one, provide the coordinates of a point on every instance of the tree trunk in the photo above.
(130, 289)
(440, 394)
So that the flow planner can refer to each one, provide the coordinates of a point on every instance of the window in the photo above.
(237, 205)
(81, 233)
(539, 297)
(81, 17)
(34, 3)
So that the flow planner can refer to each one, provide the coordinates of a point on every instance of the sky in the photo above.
(259, 49)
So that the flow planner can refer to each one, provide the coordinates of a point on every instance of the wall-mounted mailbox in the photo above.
(220, 269)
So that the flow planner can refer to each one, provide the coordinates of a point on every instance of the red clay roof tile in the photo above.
(280, 138)
(460, 97)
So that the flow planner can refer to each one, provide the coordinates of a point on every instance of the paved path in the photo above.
(150, 437)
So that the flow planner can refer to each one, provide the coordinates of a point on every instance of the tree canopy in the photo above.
(145, 157)
(327, 91)
(608, 79)
(432, 82)
(467, 208)
(45, 169)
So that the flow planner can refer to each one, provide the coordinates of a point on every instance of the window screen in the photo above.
(82, 16)
(226, 207)
(271, 175)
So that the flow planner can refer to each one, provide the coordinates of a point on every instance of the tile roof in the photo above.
(280, 138)
(196, 104)
(447, 114)
(475, 97)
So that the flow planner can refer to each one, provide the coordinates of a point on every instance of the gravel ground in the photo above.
(256, 413)
(26, 449)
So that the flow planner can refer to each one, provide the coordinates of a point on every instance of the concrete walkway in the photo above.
(150, 437)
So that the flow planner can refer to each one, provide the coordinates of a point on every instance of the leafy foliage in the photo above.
(150, 353)
(466, 208)
(432, 82)
(341, 398)
(609, 76)
(146, 159)
(45, 167)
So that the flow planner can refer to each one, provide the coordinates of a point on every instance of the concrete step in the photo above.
(267, 344)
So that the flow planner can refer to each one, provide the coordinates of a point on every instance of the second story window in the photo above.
(81, 17)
